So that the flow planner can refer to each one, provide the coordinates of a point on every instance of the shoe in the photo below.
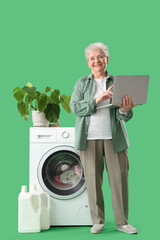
(97, 228)
(127, 229)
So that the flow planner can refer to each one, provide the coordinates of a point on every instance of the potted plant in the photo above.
(45, 104)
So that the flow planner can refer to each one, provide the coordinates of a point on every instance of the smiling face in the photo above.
(97, 61)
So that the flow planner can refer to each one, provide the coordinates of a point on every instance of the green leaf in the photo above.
(66, 106)
(29, 85)
(15, 89)
(68, 99)
(65, 100)
(26, 116)
(36, 95)
(55, 98)
(52, 112)
(49, 99)
(42, 103)
(47, 89)
(19, 95)
(23, 110)
(57, 92)
(29, 90)
(28, 100)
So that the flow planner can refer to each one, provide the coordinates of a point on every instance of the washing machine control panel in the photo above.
(55, 134)
(65, 134)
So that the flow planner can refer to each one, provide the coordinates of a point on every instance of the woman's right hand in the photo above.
(104, 96)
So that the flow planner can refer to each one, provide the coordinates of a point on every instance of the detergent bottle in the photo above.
(29, 211)
(45, 207)
(45, 211)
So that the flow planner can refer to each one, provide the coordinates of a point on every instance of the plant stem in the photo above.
(33, 107)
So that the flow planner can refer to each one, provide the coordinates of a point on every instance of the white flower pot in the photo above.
(39, 120)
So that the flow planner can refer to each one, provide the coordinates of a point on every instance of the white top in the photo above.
(100, 126)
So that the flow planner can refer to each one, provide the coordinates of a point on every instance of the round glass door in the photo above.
(61, 174)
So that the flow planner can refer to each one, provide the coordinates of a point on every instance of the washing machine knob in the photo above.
(65, 134)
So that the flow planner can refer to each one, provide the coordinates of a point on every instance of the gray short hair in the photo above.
(94, 46)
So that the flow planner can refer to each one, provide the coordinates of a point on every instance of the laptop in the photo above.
(135, 86)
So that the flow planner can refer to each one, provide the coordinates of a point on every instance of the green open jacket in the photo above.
(83, 105)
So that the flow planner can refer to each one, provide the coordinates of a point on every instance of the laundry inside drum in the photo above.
(64, 170)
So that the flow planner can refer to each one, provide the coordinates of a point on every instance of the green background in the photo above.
(43, 42)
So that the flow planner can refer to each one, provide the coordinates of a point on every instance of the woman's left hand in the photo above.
(126, 105)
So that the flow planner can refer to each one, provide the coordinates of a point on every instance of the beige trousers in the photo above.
(117, 167)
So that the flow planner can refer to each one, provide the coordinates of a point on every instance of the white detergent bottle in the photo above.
(29, 211)
(45, 212)
(45, 207)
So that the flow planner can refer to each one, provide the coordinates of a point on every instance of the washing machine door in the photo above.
(60, 173)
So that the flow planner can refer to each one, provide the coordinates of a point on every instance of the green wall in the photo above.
(43, 42)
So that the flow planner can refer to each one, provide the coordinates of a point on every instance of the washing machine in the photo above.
(55, 168)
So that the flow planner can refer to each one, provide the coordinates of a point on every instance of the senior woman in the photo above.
(101, 133)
